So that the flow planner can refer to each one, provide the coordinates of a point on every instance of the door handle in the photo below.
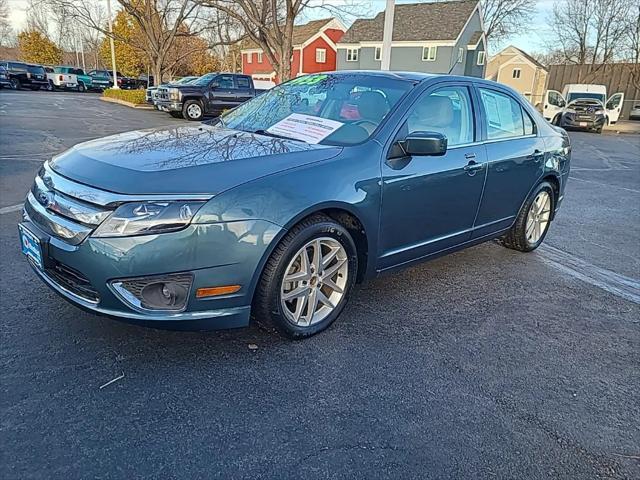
(470, 156)
(536, 155)
(472, 167)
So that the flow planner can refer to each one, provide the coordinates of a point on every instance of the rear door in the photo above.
(244, 86)
(515, 159)
(614, 107)
(554, 102)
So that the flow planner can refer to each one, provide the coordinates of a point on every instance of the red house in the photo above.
(314, 50)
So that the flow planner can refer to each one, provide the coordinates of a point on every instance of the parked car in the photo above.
(84, 81)
(103, 79)
(634, 114)
(210, 94)
(275, 210)
(17, 73)
(4, 78)
(151, 93)
(60, 80)
(36, 77)
(556, 101)
(583, 114)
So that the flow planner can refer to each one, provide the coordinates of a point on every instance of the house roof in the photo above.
(524, 54)
(301, 33)
(475, 38)
(415, 22)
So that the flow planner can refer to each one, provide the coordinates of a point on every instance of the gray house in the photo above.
(442, 37)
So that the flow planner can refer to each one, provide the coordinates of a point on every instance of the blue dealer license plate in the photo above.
(31, 246)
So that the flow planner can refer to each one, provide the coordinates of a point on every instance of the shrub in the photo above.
(133, 96)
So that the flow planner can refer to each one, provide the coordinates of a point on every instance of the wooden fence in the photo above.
(616, 77)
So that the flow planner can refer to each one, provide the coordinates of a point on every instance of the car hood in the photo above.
(190, 159)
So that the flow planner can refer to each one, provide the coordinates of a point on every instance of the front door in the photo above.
(222, 94)
(614, 107)
(516, 160)
(429, 203)
(554, 102)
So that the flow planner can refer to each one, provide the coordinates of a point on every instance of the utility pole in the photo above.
(84, 67)
(113, 48)
(387, 36)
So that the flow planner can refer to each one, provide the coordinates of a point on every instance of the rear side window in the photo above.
(243, 82)
(503, 115)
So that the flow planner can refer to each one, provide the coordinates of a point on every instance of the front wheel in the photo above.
(308, 278)
(192, 110)
(15, 84)
(81, 87)
(532, 223)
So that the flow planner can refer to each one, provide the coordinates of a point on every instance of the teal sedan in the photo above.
(275, 210)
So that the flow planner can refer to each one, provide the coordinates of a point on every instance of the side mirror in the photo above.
(214, 85)
(425, 144)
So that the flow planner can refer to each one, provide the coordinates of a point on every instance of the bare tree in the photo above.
(160, 22)
(6, 32)
(589, 32)
(631, 42)
(269, 23)
(504, 18)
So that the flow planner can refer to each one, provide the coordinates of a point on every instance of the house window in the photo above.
(516, 73)
(352, 54)
(460, 54)
(321, 55)
(249, 57)
(480, 58)
(259, 57)
(429, 53)
(378, 54)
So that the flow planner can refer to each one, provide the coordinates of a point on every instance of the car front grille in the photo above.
(73, 281)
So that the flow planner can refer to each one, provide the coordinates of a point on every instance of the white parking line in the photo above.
(612, 282)
(12, 208)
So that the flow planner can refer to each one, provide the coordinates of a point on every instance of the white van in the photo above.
(555, 101)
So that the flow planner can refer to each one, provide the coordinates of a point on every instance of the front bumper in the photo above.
(579, 123)
(169, 105)
(213, 254)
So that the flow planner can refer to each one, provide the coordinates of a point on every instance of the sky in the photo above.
(530, 41)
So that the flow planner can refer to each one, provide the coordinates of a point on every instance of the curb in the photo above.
(126, 104)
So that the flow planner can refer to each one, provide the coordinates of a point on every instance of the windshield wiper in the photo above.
(275, 135)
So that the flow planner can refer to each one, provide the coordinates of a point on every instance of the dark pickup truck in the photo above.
(210, 94)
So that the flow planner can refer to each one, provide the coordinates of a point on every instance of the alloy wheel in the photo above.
(538, 217)
(314, 282)
(194, 111)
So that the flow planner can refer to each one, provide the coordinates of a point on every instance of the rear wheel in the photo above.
(308, 278)
(532, 224)
(192, 110)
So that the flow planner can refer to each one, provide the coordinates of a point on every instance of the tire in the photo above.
(16, 84)
(556, 120)
(176, 114)
(268, 307)
(516, 238)
(81, 87)
(193, 110)
(49, 87)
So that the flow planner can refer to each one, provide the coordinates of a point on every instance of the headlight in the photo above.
(569, 110)
(174, 93)
(599, 112)
(145, 218)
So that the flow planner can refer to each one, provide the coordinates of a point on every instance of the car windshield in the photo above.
(581, 95)
(204, 79)
(331, 109)
(185, 80)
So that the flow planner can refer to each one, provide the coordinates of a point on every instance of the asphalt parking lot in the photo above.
(487, 363)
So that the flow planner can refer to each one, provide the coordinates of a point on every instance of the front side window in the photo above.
(503, 115)
(429, 53)
(225, 82)
(448, 111)
(350, 107)
(352, 54)
(516, 73)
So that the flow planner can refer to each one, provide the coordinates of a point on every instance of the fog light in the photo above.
(164, 292)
